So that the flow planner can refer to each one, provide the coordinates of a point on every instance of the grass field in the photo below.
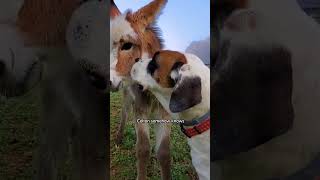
(18, 129)
(19, 121)
(123, 161)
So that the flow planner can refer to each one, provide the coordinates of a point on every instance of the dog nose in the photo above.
(2, 67)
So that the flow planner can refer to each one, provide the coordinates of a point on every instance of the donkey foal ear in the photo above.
(114, 11)
(149, 13)
(186, 94)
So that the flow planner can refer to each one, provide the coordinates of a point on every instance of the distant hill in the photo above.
(201, 49)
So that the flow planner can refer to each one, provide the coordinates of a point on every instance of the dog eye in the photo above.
(126, 46)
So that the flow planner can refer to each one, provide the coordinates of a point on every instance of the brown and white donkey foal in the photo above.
(133, 36)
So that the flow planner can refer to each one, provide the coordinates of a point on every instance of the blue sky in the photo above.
(181, 22)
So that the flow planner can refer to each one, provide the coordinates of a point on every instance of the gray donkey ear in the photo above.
(186, 94)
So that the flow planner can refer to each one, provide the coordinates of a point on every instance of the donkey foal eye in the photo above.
(126, 46)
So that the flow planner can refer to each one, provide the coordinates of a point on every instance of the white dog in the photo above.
(181, 82)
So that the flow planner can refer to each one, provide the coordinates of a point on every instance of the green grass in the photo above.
(18, 126)
(123, 160)
(19, 120)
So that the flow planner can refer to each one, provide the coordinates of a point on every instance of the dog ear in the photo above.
(252, 97)
(149, 13)
(186, 93)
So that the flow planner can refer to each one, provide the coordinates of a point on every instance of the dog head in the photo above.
(133, 36)
(20, 68)
(183, 78)
(252, 87)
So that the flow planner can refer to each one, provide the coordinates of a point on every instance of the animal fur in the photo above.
(133, 35)
(284, 23)
(72, 109)
(181, 82)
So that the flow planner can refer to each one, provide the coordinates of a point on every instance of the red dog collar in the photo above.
(199, 128)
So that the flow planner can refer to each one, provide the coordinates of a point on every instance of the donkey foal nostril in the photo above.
(137, 60)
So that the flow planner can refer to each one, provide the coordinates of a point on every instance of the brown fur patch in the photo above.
(143, 151)
(164, 158)
(126, 58)
(145, 16)
(149, 36)
(45, 22)
(165, 60)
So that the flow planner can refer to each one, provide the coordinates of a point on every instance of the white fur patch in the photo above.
(140, 75)
(120, 28)
(85, 33)
(115, 78)
(200, 153)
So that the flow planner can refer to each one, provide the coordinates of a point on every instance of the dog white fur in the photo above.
(199, 144)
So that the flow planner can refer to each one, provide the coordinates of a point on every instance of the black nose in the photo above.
(2, 67)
